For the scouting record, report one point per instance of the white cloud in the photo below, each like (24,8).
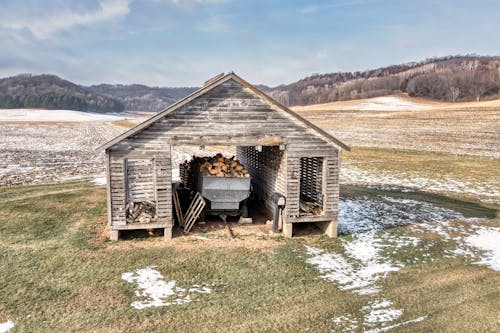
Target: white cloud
(65,19)
(315,8)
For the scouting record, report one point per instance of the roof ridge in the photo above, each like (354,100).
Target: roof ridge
(210,84)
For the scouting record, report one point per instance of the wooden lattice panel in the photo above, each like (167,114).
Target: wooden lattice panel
(140,175)
(311,179)
(267,169)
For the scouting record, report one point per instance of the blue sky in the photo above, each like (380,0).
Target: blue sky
(185,42)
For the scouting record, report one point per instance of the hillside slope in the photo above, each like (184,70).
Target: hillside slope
(454,78)
(143,98)
(52,92)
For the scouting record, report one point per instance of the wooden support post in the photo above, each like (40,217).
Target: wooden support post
(114,235)
(329,228)
(167,233)
(288,230)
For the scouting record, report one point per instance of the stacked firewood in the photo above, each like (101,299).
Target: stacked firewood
(142,212)
(220,166)
(310,207)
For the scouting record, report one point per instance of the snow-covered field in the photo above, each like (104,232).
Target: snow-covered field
(369,252)
(387,103)
(41,115)
(34,154)
(56,151)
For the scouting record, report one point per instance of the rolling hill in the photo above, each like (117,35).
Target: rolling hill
(52,92)
(451,79)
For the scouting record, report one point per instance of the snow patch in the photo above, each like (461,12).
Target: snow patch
(352,175)
(7,326)
(176,175)
(358,269)
(488,241)
(388,103)
(388,328)
(99,181)
(370,253)
(364,214)
(379,313)
(152,286)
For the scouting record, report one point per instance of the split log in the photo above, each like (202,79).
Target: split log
(310,207)
(218,166)
(141,212)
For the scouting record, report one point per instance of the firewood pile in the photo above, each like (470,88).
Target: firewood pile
(218,166)
(142,212)
(310,207)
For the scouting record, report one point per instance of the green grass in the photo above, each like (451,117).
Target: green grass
(466,206)
(433,163)
(479,172)
(59,274)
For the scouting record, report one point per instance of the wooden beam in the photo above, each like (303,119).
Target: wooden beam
(312,218)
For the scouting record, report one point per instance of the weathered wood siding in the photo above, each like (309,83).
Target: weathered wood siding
(140,180)
(293,187)
(329,186)
(138,175)
(267,168)
(163,175)
(332,185)
(229,114)
(117,182)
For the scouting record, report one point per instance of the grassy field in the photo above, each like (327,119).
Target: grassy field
(58,273)
(408,215)
(460,128)
(462,177)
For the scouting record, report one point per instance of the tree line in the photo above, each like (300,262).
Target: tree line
(454,78)
(66,101)
(52,92)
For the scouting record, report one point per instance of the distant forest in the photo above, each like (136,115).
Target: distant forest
(453,78)
(52,92)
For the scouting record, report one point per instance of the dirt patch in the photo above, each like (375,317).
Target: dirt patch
(211,235)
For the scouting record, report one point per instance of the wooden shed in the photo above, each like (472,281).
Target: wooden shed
(282,151)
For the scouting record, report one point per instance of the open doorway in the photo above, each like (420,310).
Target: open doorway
(226,180)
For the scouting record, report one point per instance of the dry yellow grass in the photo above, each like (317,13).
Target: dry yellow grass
(457,128)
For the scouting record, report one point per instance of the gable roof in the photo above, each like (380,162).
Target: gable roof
(209,85)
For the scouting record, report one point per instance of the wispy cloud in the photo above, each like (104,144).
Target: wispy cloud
(336,4)
(65,19)
(214,24)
